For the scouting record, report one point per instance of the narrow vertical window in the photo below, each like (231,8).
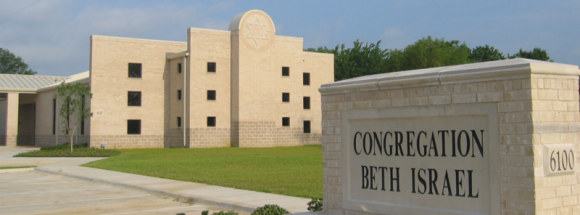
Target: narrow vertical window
(211,67)
(211,121)
(306,126)
(178,94)
(306,102)
(285,71)
(83,119)
(179,68)
(306,78)
(135,70)
(285,97)
(134,98)
(211,95)
(134,126)
(179,122)
(285,121)
(54,116)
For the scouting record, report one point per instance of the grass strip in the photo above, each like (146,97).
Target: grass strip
(15,167)
(77,152)
(293,171)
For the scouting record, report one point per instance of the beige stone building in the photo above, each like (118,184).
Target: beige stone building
(245,87)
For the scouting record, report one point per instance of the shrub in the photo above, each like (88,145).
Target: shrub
(65,146)
(270,210)
(315,204)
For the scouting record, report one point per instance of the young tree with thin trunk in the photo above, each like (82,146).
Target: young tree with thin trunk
(73,104)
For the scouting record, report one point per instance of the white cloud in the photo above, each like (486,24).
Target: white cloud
(30,10)
(53,36)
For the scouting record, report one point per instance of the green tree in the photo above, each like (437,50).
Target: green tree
(73,107)
(12,64)
(428,53)
(536,54)
(362,59)
(486,53)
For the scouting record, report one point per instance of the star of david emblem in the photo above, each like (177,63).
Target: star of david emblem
(257,30)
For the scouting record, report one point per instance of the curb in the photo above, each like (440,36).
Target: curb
(179,197)
(17,170)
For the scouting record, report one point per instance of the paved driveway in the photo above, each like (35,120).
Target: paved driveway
(37,193)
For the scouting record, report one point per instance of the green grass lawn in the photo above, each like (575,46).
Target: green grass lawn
(293,171)
(15,167)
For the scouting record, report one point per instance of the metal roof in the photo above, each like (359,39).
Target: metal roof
(28,81)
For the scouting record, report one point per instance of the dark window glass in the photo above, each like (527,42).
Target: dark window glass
(306,127)
(54,116)
(285,121)
(134,98)
(83,119)
(210,67)
(286,97)
(178,122)
(211,121)
(285,71)
(178,94)
(306,78)
(134,126)
(211,95)
(179,68)
(134,70)
(306,103)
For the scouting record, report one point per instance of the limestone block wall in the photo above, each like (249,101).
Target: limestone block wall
(110,84)
(258,56)
(554,120)
(534,110)
(267,134)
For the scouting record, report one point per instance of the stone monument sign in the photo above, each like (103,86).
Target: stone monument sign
(486,138)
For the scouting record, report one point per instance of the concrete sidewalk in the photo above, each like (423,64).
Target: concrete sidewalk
(238,200)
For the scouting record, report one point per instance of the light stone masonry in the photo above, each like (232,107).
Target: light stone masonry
(537,108)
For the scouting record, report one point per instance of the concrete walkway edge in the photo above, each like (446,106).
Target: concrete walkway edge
(235,206)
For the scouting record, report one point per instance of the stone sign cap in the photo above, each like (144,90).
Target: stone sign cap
(451,74)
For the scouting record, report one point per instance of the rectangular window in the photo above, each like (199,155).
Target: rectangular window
(306,78)
(211,95)
(134,126)
(178,94)
(211,121)
(306,103)
(179,122)
(134,70)
(179,68)
(134,98)
(211,67)
(54,116)
(306,127)
(285,97)
(285,71)
(285,121)
(83,119)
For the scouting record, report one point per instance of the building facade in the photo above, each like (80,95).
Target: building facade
(245,87)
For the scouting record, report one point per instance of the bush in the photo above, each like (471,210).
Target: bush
(315,204)
(65,146)
(219,213)
(270,210)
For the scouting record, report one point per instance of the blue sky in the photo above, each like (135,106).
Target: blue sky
(52,36)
